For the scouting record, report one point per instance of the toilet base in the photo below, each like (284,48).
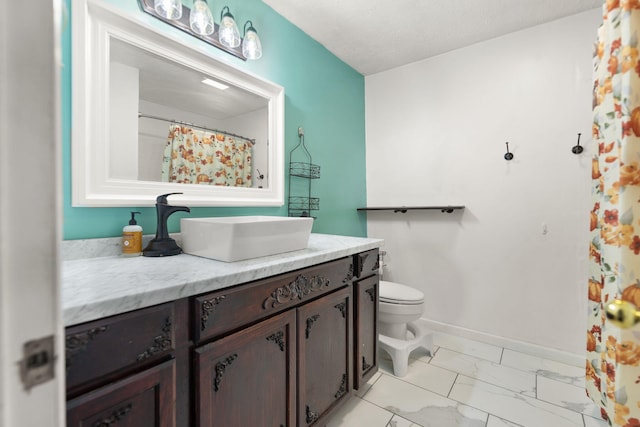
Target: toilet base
(399,350)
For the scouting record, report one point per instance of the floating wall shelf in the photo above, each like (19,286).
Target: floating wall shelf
(404,209)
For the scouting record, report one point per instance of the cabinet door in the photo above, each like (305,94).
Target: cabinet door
(146,399)
(324,356)
(366,329)
(248,378)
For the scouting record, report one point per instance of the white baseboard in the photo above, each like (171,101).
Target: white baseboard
(515,345)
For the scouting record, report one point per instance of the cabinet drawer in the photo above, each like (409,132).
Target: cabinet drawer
(96,349)
(144,399)
(366,263)
(223,311)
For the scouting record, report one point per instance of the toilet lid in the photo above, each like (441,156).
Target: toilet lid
(399,294)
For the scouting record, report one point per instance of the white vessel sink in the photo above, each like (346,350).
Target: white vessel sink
(235,238)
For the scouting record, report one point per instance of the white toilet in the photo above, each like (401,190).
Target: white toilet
(399,330)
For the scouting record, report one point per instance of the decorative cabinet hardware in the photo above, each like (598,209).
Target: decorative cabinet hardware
(311,416)
(349,275)
(365,365)
(161,343)
(277,338)
(372,293)
(343,387)
(77,343)
(296,290)
(310,321)
(363,258)
(207,308)
(115,417)
(343,309)
(221,367)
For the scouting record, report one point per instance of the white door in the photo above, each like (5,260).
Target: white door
(30,214)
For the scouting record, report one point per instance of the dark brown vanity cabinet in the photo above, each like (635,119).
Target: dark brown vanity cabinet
(276,351)
(283,351)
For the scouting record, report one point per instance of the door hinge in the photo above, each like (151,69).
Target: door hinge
(36,367)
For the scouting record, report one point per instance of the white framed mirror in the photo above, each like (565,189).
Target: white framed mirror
(133,87)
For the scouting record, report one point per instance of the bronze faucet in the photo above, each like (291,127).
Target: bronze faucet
(163,245)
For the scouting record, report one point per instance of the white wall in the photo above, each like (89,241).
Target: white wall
(123,113)
(436,133)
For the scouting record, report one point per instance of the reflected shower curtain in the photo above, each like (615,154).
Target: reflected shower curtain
(200,157)
(613,355)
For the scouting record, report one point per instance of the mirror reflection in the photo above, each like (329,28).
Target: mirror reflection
(144,123)
(171,123)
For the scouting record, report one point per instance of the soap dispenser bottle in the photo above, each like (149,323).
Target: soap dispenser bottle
(132,237)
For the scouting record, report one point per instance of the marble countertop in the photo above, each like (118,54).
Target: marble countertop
(93,288)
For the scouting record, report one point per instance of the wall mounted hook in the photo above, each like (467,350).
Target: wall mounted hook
(508,155)
(577,149)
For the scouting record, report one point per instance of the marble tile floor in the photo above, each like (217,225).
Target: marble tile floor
(472,384)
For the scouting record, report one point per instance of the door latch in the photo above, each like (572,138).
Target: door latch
(36,367)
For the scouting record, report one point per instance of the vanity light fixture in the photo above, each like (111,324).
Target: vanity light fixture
(200,18)
(228,33)
(251,46)
(199,23)
(215,84)
(168,9)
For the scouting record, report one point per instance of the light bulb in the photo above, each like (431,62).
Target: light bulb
(251,46)
(228,33)
(200,19)
(169,9)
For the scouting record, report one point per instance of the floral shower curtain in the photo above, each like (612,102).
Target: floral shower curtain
(613,355)
(200,157)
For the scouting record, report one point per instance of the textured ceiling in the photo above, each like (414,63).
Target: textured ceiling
(377,35)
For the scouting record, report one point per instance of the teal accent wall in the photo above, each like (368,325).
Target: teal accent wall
(323,95)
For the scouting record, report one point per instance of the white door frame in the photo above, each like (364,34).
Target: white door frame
(30,207)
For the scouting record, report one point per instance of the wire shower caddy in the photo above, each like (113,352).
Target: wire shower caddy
(301,166)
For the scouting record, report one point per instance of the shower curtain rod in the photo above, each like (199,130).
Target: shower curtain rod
(149,116)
